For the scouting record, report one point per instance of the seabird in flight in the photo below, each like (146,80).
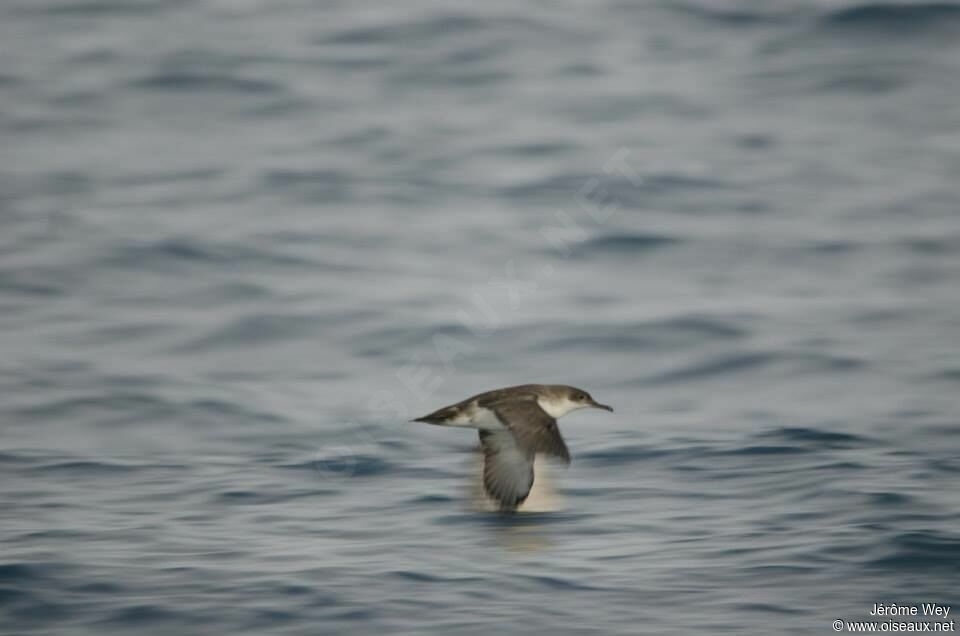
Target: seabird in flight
(515,424)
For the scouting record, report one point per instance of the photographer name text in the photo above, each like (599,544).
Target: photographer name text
(923,609)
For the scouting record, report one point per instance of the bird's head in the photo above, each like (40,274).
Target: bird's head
(563,399)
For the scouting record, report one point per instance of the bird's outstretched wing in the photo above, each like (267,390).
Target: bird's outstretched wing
(507,469)
(535,430)
(509,453)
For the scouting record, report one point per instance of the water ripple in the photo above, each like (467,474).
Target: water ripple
(905,18)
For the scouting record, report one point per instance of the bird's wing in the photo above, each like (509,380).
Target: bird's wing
(507,469)
(534,430)
(508,454)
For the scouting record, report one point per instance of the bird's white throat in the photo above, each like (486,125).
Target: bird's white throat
(558,407)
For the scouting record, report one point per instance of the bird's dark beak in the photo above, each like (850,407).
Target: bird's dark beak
(597,405)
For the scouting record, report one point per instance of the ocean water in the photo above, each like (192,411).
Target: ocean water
(244,241)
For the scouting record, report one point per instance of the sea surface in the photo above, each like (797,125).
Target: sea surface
(245,241)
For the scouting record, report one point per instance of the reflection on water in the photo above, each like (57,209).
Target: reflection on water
(524,537)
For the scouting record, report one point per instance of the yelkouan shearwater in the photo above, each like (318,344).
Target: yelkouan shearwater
(515,424)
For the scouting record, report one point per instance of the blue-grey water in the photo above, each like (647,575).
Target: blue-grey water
(244,241)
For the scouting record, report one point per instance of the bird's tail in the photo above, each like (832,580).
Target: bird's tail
(442,417)
(429,419)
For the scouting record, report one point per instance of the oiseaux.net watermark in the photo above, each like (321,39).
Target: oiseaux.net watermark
(486,307)
(901,617)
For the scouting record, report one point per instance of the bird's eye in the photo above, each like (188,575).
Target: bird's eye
(581,397)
